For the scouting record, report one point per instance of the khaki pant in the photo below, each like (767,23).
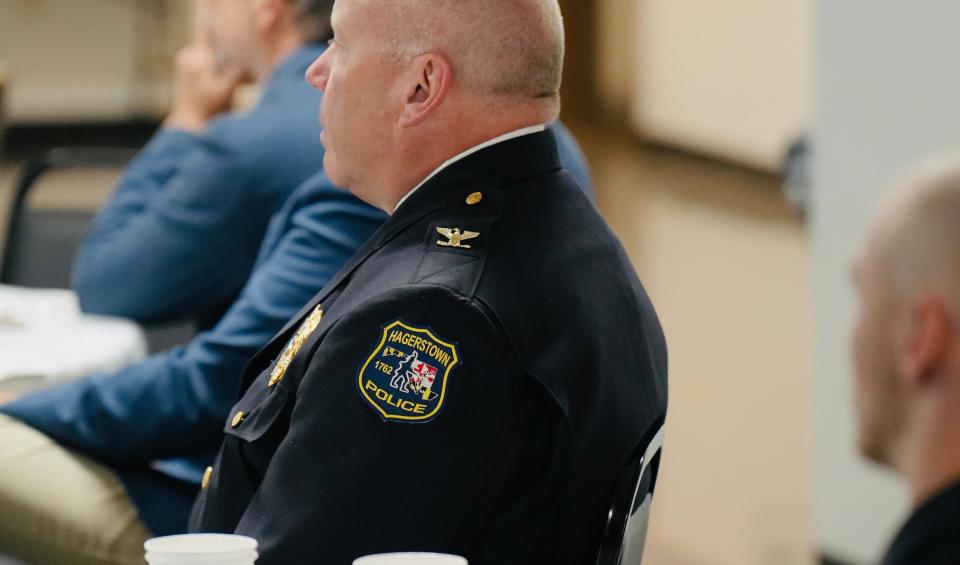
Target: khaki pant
(57,507)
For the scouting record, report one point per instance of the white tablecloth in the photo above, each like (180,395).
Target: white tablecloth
(45,337)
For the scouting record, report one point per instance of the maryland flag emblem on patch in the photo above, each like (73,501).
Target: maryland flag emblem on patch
(405,378)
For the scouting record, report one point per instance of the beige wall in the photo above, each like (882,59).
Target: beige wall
(72,60)
(616,56)
(731,79)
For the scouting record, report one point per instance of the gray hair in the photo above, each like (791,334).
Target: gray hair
(313,19)
(497,47)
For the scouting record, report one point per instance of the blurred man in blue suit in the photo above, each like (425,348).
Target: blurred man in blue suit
(150,429)
(179,237)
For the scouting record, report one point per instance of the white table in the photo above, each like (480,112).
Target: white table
(44,338)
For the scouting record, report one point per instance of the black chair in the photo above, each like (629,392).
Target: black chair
(40,244)
(626,532)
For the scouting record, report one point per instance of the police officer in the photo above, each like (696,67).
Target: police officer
(490,346)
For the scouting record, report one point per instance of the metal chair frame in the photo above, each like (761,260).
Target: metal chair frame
(55,159)
(624,537)
(161,336)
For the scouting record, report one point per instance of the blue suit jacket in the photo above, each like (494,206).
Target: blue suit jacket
(179,237)
(158,422)
(572,158)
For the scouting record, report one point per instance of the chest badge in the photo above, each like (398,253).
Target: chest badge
(455,237)
(293,346)
(405,378)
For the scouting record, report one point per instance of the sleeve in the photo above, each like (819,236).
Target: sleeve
(376,482)
(175,403)
(174,241)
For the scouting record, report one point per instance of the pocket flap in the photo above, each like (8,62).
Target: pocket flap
(256,414)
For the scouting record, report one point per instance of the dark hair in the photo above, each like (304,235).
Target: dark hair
(313,19)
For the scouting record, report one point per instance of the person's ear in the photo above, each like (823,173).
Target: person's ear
(925,338)
(267,13)
(425,88)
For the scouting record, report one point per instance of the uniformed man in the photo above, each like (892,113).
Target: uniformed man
(906,348)
(490,344)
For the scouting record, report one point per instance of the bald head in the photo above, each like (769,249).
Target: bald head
(409,84)
(906,342)
(917,232)
(501,48)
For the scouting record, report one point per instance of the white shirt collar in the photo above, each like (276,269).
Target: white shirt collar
(505,137)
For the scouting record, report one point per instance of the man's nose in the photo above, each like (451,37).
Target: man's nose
(319,72)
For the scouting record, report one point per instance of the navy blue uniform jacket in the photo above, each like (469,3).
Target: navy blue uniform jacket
(472,382)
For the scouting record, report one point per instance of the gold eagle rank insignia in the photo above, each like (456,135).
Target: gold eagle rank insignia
(455,237)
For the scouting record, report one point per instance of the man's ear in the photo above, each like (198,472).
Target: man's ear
(429,81)
(924,339)
(268,12)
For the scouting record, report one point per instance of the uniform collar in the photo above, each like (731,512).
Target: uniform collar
(498,165)
(519,155)
(500,139)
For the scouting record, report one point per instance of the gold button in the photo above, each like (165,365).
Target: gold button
(206,477)
(475,198)
(238,419)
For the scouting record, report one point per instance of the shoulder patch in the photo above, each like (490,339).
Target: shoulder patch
(405,378)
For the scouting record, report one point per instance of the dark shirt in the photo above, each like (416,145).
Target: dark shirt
(932,535)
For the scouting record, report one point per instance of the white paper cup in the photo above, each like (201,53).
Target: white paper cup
(411,559)
(201,549)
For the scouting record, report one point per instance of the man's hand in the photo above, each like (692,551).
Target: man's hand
(201,89)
